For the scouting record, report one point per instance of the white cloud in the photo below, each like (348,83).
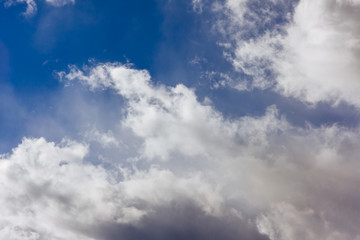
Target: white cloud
(170,118)
(197,5)
(193,164)
(290,182)
(106,139)
(50,192)
(311,54)
(254,58)
(284,222)
(322,53)
(254,162)
(31,5)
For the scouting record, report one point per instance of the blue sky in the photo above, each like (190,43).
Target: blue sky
(164,37)
(155,119)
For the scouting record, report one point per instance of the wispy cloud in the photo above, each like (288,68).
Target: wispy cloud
(31,5)
(60,3)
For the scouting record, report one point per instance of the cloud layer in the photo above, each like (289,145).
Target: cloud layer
(251,177)
(264,164)
(152,161)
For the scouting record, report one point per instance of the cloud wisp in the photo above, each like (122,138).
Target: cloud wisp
(31,5)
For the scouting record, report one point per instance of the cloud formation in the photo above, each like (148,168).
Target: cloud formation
(289,182)
(303,49)
(197,5)
(151,161)
(250,177)
(50,192)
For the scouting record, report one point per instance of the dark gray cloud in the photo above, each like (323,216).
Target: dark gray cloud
(180,221)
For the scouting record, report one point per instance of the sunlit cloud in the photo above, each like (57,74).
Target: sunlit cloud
(306,49)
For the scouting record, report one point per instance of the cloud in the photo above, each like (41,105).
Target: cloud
(284,221)
(31,5)
(197,5)
(106,139)
(50,192)
(307,49)
(193,174)
(323,53)
(60,3)
(170,118)
(251,37)
(266,171)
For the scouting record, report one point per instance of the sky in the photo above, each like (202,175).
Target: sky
(179,119)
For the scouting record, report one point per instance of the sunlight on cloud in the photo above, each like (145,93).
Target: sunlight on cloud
(312,54)
(50,192)
(322,57)
(263,167)
(117,155)
(264,177)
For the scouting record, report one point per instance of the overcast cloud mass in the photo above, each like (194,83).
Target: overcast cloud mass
(209,125)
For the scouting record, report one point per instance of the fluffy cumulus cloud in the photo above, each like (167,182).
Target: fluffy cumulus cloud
(50,192)
(31,5)
(285,181)
(166,164)
(304,49)
(194,174)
